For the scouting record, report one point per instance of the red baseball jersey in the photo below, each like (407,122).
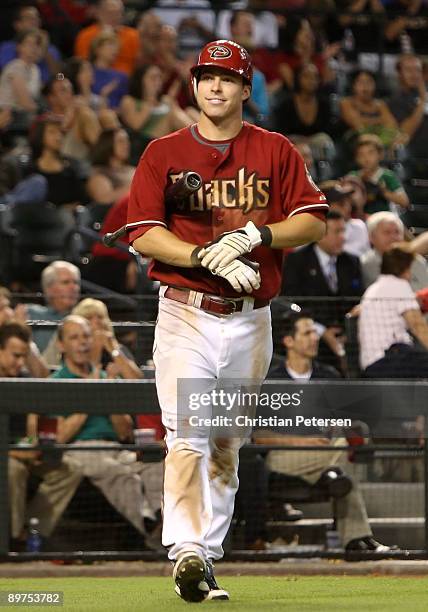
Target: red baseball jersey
(258,176)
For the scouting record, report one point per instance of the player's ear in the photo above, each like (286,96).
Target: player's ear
(246,92)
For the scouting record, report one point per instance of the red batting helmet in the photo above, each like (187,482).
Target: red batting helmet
(224,54)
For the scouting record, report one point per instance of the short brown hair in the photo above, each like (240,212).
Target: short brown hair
(14,329)
(370,139)
(396,261)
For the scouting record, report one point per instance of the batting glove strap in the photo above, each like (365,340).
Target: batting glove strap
(265,235)
(230,245)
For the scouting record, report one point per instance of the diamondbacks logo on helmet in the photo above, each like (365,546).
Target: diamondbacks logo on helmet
(219,52)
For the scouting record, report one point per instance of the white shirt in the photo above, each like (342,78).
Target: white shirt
(265,26)
(381,323)
(29,73)
(172,12)
(297,375)
(356,237)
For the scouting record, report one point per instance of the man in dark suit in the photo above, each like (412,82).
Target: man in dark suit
(324,269)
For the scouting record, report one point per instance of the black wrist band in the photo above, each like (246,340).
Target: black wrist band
(194,259)
(266,235)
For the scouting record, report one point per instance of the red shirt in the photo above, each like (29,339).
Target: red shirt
(259,176)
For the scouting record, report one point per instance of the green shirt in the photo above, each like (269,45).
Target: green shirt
(375,200)
(96,427)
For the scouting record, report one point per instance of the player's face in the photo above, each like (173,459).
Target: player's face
(305,340)
(13,356)
(76,344)
(385,234)
(221,94)
(334,239)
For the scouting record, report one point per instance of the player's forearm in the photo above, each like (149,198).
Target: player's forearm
(162,245)
(296,231)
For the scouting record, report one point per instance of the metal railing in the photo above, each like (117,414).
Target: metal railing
(20,396)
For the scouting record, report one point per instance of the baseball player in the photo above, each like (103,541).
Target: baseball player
(214,318)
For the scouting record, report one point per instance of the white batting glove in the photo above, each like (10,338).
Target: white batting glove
(240,276)
(230,245)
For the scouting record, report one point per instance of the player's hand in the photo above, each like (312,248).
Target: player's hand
(240,276)
(230,245)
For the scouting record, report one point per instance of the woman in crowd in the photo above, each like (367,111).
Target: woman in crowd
(146,113)
(306,113)
(107,353)
(390,320)
(81,75)
(303,51)
(112,173)
(65,188)
(363,113)
(80,123)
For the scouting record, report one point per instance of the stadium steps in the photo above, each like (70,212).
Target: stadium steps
(395,510)
(406,532)
(395,499)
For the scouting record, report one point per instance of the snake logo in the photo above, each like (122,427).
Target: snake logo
(219,52)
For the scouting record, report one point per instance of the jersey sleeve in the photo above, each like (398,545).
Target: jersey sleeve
(146,207)
(300,194)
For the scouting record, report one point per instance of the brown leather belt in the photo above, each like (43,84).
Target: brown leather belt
(213,304)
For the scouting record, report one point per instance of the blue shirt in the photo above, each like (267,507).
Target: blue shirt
(8,53)
(259,96)
(104,76)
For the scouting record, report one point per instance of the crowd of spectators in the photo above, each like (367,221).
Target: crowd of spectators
(85,87)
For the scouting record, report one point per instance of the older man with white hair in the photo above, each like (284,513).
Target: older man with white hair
(385,229)
(61,289)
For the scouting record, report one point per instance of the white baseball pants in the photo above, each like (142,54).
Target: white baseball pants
(200,473)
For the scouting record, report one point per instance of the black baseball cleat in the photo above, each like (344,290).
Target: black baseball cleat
(368,544)
(190,578)
(216,593)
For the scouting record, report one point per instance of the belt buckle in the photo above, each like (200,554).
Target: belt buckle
(232,303)
(224,301)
